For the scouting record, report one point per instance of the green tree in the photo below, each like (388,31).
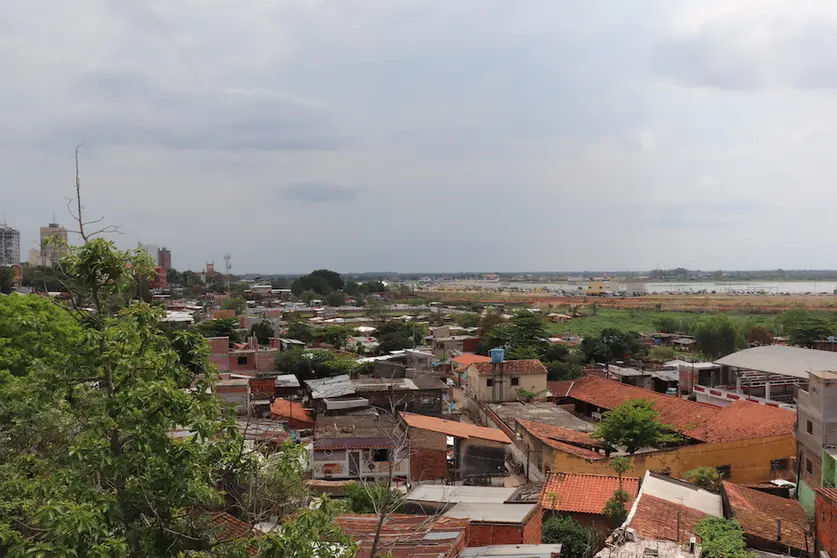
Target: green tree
(336,298)
(634,425)
(803,327)
(235,303)
(523,336)
(6,279)
(721,538)
(662,354)
(263,332)
(222,327)
(301,332)
(707,478)
(718,337)
(468,319)
(612,344)
(337,335)
(335,282)
(395,335)
(615,508)
(317,363)
(576,541)
(362,498)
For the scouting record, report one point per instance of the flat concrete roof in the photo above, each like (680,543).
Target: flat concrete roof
(491,513)
(460,494)
(512,551)
(678,492)
(782,360)
(548,413)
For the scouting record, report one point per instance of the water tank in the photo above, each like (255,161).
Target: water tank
(498,355)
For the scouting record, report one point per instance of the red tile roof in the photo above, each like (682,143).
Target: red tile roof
(291,410)
(229,528)
(659,519)
(741,420)
(455,429)
(827,493)
(467,359)
(757,513)
(403,536)
(563,439)
(560,389)
(513,367)
(570,492)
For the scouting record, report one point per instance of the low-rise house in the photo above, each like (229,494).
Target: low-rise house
(503,381)
(746,441)
(543,440)
(406,536)
(242,357)
(293,413)
(455,344)
(825,521)
(473,451)
(460,363)
(422,394)
(667,510)
(770,523)
(234,389)
(359,447)
(493,519)
(583,497)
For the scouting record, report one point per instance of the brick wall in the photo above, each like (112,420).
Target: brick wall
(825,516)
(263,385)
(428,464)
(219,350)
(533,529)
(486,534)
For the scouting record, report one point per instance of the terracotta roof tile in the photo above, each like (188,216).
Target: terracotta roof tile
(515,367)
(230,528)
(827,493)
(467,359)
(741,420)
(560,389)
(757,513)
(563,439)
(404,536)
(659,519)
(455,429)
(282,408)
(570,492)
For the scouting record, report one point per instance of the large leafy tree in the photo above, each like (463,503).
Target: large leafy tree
(634,425)
(721,538)
(575,539)
(719,337)
(612,344)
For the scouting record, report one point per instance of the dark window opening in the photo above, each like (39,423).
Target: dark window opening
(489,382)
(779,465)
(380,455)
(809,467)
(724,470)
(809,427)
(427,401)
(242,360)
(515,381)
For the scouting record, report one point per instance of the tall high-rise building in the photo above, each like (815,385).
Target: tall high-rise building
(152,250)
(164,258)
(34,257)
(53,243)
(9,245)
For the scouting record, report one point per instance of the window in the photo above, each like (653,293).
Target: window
(724,470)
(427,401)
(809,427)
(779,465)
(515,381)
(809,467)
(489,382)
(242,360)
(380,455)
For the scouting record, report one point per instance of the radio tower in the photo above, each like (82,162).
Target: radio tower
(227,268)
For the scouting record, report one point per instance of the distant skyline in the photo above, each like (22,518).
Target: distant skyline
(445,136)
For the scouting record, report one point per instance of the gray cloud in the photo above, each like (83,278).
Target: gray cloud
(127,108)
(320,192)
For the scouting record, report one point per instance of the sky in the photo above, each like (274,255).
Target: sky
(429,135)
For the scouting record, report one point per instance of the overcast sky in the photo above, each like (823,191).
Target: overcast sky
(416,135)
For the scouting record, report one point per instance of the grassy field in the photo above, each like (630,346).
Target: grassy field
(642,321)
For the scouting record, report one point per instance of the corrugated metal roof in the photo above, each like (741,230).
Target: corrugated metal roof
(491,512)
(782,359)
(331,387)
(455,429)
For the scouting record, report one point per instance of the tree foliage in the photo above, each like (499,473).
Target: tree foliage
(235,303)
(395,335)
(365,498)
(707,478)
(721,538)
(320,281)
(634,425)
(301,332)
(576,540)
(317,363)
(6,279)
(612,344)
(222,327)
(803,327)
(615,509)
(718,337)
(263,332)
(336,335)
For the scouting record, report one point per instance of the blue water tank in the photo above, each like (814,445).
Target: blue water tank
(498,355)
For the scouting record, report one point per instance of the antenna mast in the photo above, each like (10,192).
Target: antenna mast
(227,268)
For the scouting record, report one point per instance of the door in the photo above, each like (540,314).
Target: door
(354,464)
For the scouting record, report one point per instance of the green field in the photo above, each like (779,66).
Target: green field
(642,321)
